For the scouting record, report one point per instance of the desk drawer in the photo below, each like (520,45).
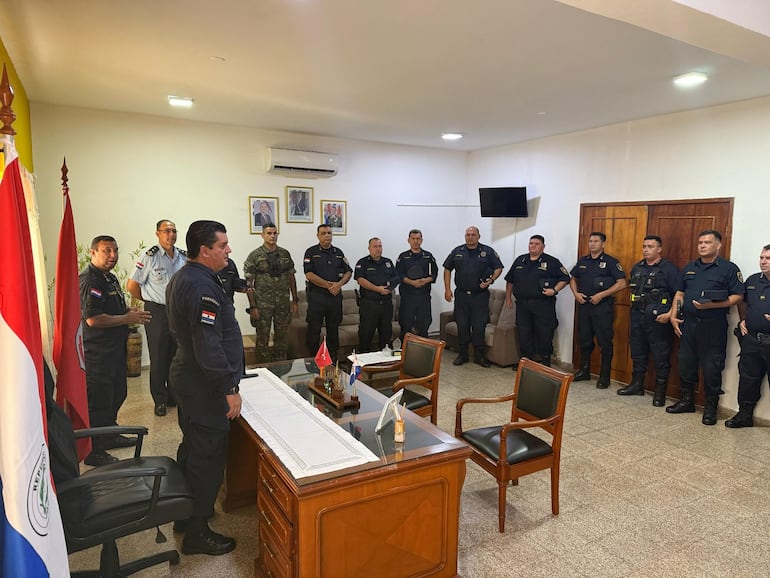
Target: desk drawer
(271,517)
(274,561)
(270,483)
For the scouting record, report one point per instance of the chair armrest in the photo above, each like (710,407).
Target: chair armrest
(401,383)
(111,430)
(113,474)
(466,400)
(520,425)
(395,366)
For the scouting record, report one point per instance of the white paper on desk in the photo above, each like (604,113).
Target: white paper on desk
(385,356)
(305,440)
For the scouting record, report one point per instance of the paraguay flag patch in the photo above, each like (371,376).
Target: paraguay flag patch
(208,317)
(96,293)
(139,265)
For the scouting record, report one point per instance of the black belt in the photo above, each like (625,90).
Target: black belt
(155,304)
(473,292)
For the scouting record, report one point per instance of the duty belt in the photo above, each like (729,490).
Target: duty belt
(762,338)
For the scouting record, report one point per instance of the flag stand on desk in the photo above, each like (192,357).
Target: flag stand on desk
(355,371)
(322,358)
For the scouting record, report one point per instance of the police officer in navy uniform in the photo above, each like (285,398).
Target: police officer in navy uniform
(417,269)
(652,282)
(476,267)
(148,283)
(205,374)
(326,270)
(706,290)
(754,330)
(754,327)
(535,279)
(378,278)
(595,279)
(105,335)
(231,280)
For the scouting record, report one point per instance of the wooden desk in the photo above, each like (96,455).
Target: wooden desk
(398,516)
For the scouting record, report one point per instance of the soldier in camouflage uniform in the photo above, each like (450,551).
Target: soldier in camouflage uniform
(269,270)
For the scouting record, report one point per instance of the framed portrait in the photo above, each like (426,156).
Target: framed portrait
(335,214)
(299,204)
(262,210)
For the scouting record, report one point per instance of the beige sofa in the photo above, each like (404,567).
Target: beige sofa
(348,328)
(500,334)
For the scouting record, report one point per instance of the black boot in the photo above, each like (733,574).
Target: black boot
(584,374)
(744,417)
(661,385)
(636,387)
(604,375)
(710,410)
(461,359)
(200,539)
(684,405)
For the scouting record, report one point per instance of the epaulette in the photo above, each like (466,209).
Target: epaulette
(152,250)
(182,252)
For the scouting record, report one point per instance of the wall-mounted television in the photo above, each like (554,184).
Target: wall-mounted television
(503,201)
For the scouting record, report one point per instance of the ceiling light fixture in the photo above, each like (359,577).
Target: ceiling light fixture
(451,136)
(180,101)
(690,79)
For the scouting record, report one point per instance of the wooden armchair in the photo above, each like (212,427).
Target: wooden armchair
(509,451)
(420,365)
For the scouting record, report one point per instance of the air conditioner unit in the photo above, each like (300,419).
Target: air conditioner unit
(301,163)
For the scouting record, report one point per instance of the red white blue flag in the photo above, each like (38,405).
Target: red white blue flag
(31,535)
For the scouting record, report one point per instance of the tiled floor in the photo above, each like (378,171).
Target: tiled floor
(643,493)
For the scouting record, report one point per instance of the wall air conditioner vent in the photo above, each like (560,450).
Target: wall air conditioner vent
(307,164)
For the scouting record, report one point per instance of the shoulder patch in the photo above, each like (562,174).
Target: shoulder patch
(740,276)
(619,266)
(208,317)
(95,293)
(152,250)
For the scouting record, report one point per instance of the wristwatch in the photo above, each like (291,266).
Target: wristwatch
(235,389)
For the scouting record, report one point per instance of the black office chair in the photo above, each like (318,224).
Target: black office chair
(115,500)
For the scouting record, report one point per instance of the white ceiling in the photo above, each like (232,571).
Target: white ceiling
(397,71)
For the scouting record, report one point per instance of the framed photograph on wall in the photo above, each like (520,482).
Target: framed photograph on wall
(335,214)
(299,204)
(262,210)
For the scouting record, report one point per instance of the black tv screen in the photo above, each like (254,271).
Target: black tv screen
(503,201)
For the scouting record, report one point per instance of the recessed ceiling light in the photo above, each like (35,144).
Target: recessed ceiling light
(690,79)
(180,101)
(452,136)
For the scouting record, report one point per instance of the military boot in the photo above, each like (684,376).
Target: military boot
(684,405)
(744,417)
(661,385)
(636,387)
(585,372)
(710,410)
(604,375)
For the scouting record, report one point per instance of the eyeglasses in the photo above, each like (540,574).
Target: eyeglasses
(167,231)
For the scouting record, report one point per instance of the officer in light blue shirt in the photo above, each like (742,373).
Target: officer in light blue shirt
(153,271)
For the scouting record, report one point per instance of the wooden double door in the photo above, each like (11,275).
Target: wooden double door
(626,224)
